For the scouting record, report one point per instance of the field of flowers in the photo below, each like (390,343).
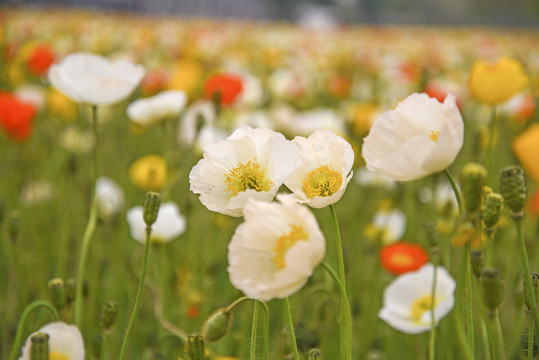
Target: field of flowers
(359,193)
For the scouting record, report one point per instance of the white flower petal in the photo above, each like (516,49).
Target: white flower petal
(63,339)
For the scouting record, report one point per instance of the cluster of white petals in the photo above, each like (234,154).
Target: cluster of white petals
(109,197)
(146,112)
(273,253)
(65,342)
(169,224)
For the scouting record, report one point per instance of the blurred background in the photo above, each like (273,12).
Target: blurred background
(327,13)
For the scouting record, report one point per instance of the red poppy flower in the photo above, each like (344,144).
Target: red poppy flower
(16,117)
(226,85)
(39,60)
(153,82)
(402,257)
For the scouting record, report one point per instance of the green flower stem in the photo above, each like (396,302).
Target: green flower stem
(252,353)
(139,295)
(345,315)
(495,332)
(18,335)
(291,329)
(346,304)
(456,190)
(432,339)
(485,339)
(489,249)
(531,331)
(490,159)
(90,227)
(526,270)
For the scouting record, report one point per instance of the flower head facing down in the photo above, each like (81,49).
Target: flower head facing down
(149,111)
(65,342)
(227,87)
(325,171)
(420,137)
(273,253)
(401,257)
(169,224)
(149,173)
(496,82)
(92,79)
(251,163)
(16,117)
(408,301)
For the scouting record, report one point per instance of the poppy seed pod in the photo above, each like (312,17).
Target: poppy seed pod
(513,188)
(492,288)
(195,347)
(39,348)
(492,210)
(473,179)
(151,207)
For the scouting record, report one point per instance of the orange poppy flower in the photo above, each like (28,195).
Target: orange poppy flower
(226,85)
(401,257)
(40,59)
(16,117)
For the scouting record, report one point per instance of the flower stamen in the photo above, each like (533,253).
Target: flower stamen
(322,181)
(420,306)
(285,242)
(434,135)
(53,355)
(247,176)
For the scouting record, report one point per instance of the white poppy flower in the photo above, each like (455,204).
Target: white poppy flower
(169,224)
(365,177)
(109,197)
(273,253)
(92,79)
(200,111)
(250,163)
(390,224)
(408,302)
(65,342)
(325,172)
(420,137)
(306,122)
(148,111)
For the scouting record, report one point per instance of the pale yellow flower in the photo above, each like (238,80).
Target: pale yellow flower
(149,172)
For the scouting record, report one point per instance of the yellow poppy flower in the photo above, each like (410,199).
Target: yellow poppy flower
(527,151)
(149,173)
(496,82)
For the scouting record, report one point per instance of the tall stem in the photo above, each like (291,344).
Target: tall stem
(90,227)
(531,333)
(291,329)
(530,293)
(139,295)
(345,315)
(432,340)
(491,141)
(252,355)
(495,332)
(456,190)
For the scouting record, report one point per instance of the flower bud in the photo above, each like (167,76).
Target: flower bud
(56,286)
(195,347)
(513,188)
(217,325)
(492,288)
(70,290)
(478,263)
(473,178)
(39,346)
(492,210)
(109,312)
(524,343)
(534,277)
(315,354)
(151,207)
(97,347)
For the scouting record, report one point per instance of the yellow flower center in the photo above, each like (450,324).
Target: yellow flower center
(247,176)
(322,182)
(285,242)
(402,260)
(434,135)
(53,355)
(421,305)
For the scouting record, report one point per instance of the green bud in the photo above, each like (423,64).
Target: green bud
(109,312)
(524,343)
(56,286)
(492,210)
(97,347)
(534,278)
(473,178)
(70,289)
(315,354)
(39,346)
(478,263)
(492,288)
(195,347)
(432,235)
(513,188)
(14,226)
(151,207)
(217,325)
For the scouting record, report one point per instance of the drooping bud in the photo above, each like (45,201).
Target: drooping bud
(534,279)
(478,263)
(315,354)
(151,207)
(492,211)
(195,347)
(524,343)
(473,179)
(217,325)
(513,188)
(109,312)
(97,347)
(70,290)
(39,346)
(58,299)
(492,288)
(14,226)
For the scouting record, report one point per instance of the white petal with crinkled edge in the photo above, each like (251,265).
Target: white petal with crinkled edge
(64,339)
(251,252)
(148,111)
(92,79)
(169,224)
(399,144)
